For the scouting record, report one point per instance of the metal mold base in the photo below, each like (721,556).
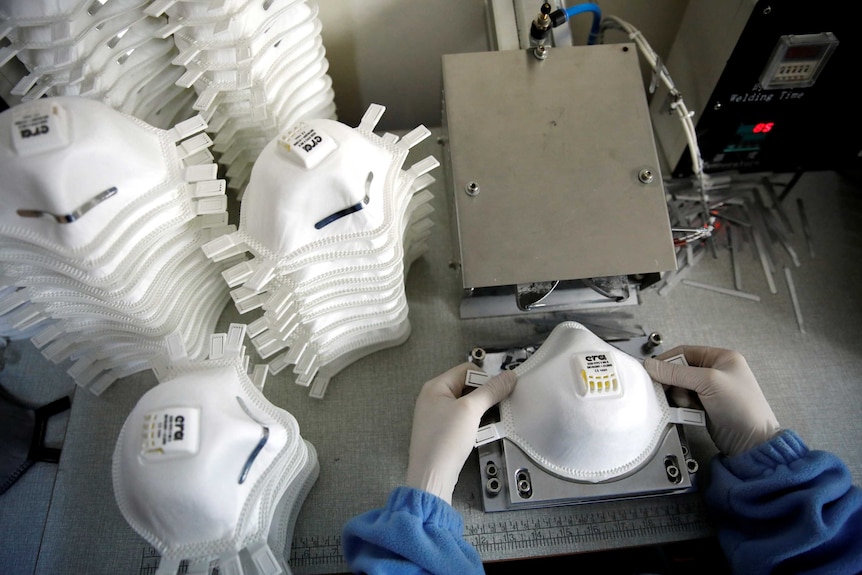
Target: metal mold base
(511,480)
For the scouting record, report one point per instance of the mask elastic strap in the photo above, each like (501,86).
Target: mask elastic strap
(14,300)
(223,247)
(371,117)
(158,7)
(238,274)
(492,431)
(280,302)
(489,433)
(264,560)
(307,369)
(258,375)
(228,345)
(419,170)
(168,566)
(7,52)
(422,182)
(686,416)
(413,137)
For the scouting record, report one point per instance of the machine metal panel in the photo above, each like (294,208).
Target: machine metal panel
(555,147)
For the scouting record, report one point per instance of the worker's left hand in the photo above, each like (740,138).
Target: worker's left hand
(445,425)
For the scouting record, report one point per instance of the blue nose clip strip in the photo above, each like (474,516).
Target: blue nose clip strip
(350,210)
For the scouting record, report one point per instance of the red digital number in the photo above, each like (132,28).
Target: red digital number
(763,127)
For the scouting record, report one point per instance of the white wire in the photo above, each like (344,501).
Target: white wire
(678,106)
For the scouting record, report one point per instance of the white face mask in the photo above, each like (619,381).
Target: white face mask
(92,45)
(165,105)
(183,14)
(266,93)
(346,191)
(247,58)
(584,410)
(326,214)
(125,265)
(54,200)
(244,32)
(204,462)
(296,84)
(137,50)
(46,24)
(49,183)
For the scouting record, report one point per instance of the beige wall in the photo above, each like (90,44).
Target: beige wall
(389,51)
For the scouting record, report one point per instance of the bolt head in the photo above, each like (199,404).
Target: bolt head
(646,176)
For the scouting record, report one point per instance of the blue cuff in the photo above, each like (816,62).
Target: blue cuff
(416,532)
(782,507)
(428,506)
(783,449)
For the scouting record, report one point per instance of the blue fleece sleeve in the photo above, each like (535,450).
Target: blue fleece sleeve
(416,532)
(782,508)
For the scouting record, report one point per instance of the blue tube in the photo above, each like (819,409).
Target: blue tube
(597,18)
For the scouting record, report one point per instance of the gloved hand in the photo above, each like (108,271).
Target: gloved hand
(445,425)
(738,416)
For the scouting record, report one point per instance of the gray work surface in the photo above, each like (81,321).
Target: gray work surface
(63,518)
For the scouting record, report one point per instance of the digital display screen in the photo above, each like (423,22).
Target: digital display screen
(807,52)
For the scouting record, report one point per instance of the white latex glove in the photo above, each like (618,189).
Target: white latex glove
(738,416)
(445,426)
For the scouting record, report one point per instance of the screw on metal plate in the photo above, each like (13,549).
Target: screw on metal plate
(493,486)
(767,10)
(541,52)
(646,176)
(654,340)
(472,189)
(717,106)
(477,355)
(672,469)
(491,469)
(524,484)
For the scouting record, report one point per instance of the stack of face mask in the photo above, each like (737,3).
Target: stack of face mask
(101,221)
(106,50)
(208,471)
(258,67)
(333,223)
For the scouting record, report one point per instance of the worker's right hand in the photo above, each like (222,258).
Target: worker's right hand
(738,415)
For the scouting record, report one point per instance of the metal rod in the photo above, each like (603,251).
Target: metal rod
(761,244)
(776,204)
(673,278)
(805,229)
(773,227)
(725,291)
(789,185)
(735,253)
(794,299)
(757,214)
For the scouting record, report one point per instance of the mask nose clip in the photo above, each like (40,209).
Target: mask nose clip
(243,475)
(349,210)
(76,214)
